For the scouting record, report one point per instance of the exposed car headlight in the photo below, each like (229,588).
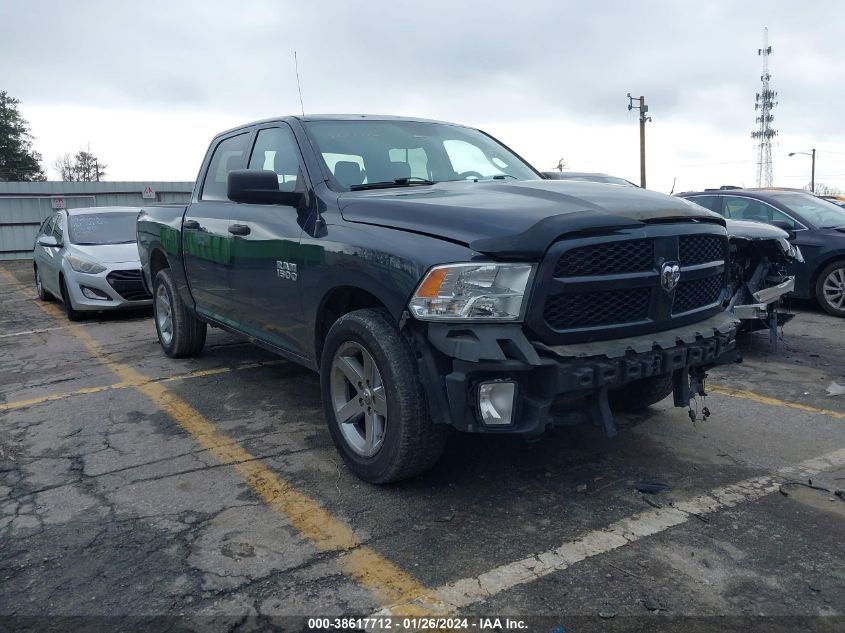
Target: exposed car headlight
(84,266)
(483,291)
(792,251)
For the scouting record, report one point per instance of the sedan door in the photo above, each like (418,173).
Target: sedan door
(51,256)
(207,243)
(266,247)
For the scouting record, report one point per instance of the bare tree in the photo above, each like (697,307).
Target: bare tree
(823,190)
(65,167)
(84,166)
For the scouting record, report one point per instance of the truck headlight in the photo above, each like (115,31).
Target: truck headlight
(84,266)
(484,291)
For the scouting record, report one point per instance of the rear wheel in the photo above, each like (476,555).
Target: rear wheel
(640,394)
(374,401)
(72,314)
(180,333)
(39,287)
(830,288)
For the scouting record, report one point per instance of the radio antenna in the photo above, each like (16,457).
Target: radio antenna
(298,86)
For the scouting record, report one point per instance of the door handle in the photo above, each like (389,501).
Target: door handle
(239,229)
(190,224)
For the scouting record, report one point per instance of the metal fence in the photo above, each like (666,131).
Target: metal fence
(24,205)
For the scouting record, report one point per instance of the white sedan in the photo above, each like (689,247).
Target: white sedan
(88,258)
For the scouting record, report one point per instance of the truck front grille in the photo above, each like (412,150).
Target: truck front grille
(597,308)
(607,259)
(128,284)
(699,293)
(700,249)
(604,287)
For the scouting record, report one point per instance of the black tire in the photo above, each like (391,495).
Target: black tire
(411,443)
(837,270)
(640,394)
(72,315)
(43,295)
(187,333)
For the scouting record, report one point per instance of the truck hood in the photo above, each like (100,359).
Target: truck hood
(516,218)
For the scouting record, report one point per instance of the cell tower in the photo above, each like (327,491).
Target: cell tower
(764,133)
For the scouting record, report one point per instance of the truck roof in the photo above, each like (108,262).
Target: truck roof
(338,117)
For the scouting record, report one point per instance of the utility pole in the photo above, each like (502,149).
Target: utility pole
(643,108)
(813,173)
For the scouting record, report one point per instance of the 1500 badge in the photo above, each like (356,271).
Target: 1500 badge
(286,270)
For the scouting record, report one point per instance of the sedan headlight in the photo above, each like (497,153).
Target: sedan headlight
(84,266)
(483,291)
(791,251)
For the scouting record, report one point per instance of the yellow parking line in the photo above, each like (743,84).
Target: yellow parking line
(213,371)
(388,583)
(774,402)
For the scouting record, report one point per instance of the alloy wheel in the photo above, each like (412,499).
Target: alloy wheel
(834,288)
(359,399)
(164,315)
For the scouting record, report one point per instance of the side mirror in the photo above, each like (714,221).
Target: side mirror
(259,186)
(47,240)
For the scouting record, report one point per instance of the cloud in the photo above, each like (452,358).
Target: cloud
(564,64)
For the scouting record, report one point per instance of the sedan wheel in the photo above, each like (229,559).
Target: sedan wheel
(164,315)
(359,399)
(834,288)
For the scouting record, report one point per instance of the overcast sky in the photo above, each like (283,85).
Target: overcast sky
(148,83)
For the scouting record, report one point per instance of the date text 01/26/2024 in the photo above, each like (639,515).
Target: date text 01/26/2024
(416,624)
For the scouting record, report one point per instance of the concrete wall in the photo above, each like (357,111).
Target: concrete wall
(24,205)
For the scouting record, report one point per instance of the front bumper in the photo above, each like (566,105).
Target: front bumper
(116,286)
(461,357)
(765,300)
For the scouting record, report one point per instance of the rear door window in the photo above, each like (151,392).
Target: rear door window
(713,203)
(228,155)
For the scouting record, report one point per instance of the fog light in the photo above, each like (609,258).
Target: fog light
(93,293)
(496,402)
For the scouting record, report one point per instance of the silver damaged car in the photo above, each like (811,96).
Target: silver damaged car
(88,258)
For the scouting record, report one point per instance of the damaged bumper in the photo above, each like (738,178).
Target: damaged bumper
(766,302)
(469,362)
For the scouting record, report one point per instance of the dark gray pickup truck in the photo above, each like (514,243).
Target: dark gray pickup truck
(436,280)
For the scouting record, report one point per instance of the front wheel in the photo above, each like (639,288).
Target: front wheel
(830,289)
(180,333)
(72,314)
(374,402)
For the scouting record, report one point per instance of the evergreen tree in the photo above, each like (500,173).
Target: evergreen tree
(18,161)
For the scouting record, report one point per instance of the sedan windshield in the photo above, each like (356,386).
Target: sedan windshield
(816,211)
(102,228)
(377,154)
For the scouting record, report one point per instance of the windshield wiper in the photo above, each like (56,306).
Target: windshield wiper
(398,182)
(503,176)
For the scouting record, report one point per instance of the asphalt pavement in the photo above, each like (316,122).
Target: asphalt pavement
(134,485)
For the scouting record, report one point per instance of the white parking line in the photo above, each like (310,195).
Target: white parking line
(628,530)
(25,333)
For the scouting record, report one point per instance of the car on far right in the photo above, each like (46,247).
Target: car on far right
(814,225)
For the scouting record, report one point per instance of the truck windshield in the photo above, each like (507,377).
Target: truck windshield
(88,229)
(364,154)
